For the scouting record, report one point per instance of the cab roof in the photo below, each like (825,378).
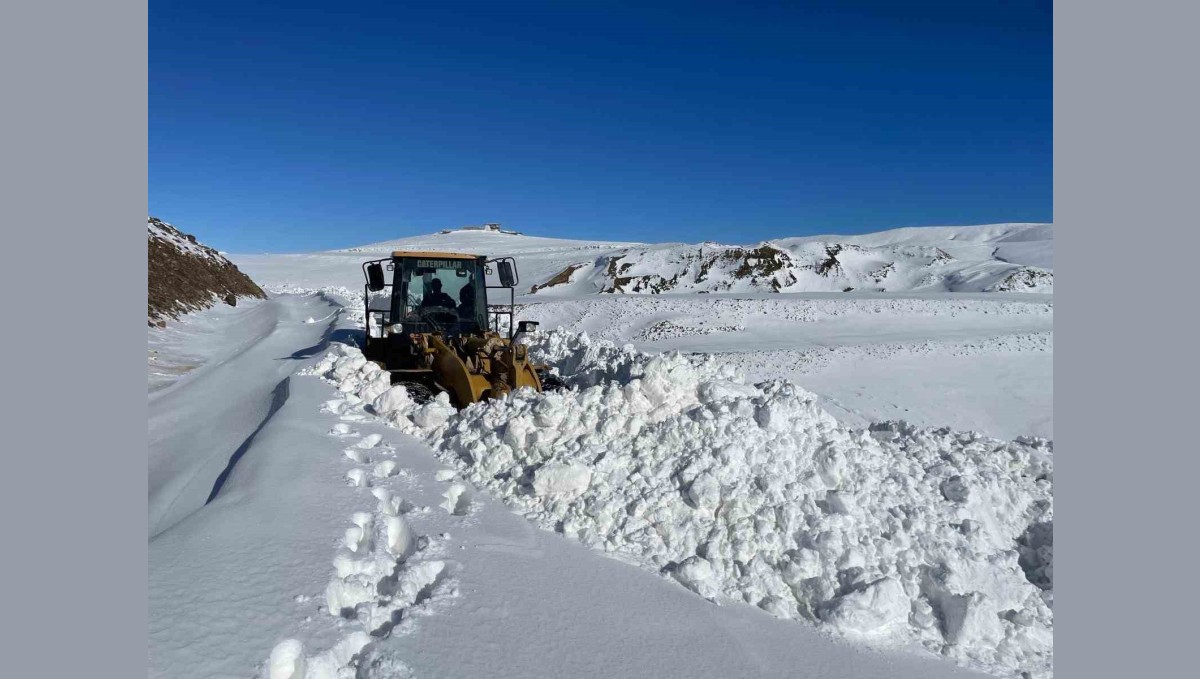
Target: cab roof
(433,255)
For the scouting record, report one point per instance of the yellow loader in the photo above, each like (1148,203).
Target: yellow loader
(432,328)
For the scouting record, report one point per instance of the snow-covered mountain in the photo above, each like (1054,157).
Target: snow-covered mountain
(991,258)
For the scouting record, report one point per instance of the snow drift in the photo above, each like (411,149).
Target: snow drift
(751,492)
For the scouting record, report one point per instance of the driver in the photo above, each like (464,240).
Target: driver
(437,297)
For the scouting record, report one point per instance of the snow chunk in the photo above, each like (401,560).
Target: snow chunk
(369,441)
(697,575)
(563,480)
(435,413)
(357,477)
(458,499)
(401,541)
(384,469)
(287,660)
(879,609)
(394,399)
(337,662)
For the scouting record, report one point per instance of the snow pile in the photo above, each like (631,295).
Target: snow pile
(754,493)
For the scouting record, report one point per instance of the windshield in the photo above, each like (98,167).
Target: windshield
(441,295)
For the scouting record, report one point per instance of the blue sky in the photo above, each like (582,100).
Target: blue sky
(303,126)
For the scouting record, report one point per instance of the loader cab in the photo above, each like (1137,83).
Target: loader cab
(433,292)
(439,294)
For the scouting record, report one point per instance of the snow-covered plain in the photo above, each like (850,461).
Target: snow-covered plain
(355,534)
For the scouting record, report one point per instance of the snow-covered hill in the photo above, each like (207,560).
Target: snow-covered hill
(992,258)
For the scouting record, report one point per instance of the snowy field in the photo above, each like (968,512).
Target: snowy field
(966,361)
(861,480)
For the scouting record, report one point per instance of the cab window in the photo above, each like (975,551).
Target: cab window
(443,295)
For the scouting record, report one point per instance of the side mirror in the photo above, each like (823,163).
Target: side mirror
(374,277)
(526,326)
(508,277)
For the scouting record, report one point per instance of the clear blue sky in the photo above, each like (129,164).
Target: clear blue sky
(305,126)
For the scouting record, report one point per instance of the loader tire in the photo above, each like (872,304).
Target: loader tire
(418,392)
(552,382)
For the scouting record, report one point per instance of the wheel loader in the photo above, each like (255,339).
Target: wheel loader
(431,326)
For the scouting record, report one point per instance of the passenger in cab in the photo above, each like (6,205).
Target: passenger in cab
(466,305)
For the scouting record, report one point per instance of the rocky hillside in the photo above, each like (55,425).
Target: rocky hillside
(185,275)
(1000,258)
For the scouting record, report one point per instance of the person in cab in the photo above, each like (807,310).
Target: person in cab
(436,297)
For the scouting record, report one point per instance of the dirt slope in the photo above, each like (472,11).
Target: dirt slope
(185,275)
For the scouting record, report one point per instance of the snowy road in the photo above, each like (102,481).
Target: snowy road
(200,417)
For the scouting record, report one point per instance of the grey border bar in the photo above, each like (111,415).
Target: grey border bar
(1126,130)
(74,468)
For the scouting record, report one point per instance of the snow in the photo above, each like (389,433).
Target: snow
(457,499)
(853,478)
(876,610)
(566,481)
(287,660)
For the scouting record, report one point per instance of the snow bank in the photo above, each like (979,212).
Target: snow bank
(752,492)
